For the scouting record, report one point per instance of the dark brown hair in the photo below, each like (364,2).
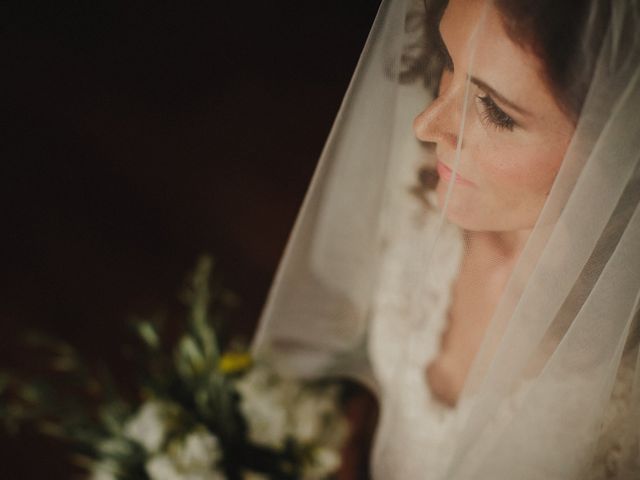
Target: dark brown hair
(566,37)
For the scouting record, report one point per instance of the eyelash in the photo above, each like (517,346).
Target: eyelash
(493,115)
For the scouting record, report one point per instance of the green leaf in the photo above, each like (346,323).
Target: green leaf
(148,332)
(38,339)
(113,416)
(200,303)
(189,359)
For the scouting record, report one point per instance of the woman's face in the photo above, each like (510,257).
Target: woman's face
(515,134)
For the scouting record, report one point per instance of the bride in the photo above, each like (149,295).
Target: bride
(479,272)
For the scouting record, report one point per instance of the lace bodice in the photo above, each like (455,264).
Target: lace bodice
(423,429)
(399,354)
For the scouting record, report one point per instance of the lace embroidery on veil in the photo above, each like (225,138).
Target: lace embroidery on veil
(422,425)
(399,349)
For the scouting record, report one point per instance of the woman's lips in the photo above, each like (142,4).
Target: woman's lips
(446,174)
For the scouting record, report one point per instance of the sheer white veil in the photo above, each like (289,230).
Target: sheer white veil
(566,328)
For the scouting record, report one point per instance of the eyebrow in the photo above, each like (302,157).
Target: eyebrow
(476,81)
(483,86)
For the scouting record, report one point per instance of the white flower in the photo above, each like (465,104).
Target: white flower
(148,427)
(316,419)
(104,470)
(193,458)
(102,475)
(318,423)
(325,461)
(200,451)
(264,404)
(161,467)
(276,409)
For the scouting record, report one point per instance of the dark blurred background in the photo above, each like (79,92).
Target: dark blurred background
(137,135)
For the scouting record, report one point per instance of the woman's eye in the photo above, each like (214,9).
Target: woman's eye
(493,115)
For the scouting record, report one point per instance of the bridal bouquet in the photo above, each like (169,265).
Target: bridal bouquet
(198,413)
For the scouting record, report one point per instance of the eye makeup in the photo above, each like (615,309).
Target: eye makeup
(493,115)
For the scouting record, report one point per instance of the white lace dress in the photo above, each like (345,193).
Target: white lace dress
(422,428)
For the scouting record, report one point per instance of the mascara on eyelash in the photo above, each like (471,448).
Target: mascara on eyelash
(495,115)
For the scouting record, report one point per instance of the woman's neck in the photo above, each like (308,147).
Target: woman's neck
(502,246)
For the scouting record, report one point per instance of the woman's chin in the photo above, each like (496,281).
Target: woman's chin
(472,212)
(462,210)
(465,221)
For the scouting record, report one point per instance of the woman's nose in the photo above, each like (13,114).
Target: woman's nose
(437,123)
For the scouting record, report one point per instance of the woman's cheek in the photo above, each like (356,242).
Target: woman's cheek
(523,170)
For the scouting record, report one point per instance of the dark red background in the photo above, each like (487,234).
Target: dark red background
(137,135)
